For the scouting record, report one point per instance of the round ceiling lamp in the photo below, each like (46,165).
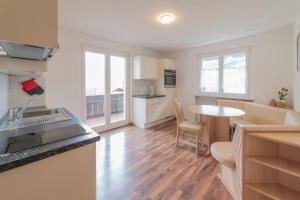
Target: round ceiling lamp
(166,18)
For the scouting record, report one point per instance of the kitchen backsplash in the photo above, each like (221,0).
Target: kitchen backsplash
(4,94)
(17,97)
(140,87)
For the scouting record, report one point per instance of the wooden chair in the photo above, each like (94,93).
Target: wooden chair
(184,125)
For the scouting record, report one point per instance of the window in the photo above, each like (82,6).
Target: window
(210,74)
(234,74)
(224,74)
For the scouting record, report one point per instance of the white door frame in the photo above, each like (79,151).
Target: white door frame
(107,52)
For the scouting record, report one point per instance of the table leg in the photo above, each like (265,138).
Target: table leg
(209,132)
(216,129)
(222,130)
(206,122)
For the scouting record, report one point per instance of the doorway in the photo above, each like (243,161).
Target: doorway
(106,89)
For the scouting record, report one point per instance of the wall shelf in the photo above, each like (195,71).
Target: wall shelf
(280,164)
(272,165)
(275,191)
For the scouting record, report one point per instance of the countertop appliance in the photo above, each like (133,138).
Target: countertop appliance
(170,78)
(151,90)
(22,142)
(22,146)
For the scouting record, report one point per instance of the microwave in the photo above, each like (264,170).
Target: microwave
(170,78)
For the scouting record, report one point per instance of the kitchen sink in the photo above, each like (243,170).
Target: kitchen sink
(40,113)
(35,118)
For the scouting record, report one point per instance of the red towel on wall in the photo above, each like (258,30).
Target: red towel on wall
(31,87)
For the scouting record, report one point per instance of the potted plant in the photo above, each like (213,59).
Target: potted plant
(282,94)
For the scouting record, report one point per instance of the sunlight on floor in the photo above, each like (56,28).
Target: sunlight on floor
(101,120)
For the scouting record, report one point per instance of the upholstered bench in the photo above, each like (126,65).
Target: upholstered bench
(259,119)
(258,114)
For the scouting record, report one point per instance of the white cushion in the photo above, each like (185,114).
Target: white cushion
(222,152)
(258,114)
(239,121)
(292,118)
(264,115)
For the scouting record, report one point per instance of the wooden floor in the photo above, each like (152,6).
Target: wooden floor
(138,164)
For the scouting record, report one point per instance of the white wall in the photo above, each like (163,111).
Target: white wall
(65,77)
(4,94)
(296,73)
(271,61)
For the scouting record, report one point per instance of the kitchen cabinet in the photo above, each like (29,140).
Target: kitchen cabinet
(166,63)
(32,22)
(154,109)
(29,29)
(169,64)
(145,68)
(149,111)
(69,175)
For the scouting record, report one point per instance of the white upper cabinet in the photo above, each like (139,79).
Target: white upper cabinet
(166,63)
(31,22)
(28,36)
(145,68)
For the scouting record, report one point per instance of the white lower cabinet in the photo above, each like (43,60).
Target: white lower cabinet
(148,111)
(154,110)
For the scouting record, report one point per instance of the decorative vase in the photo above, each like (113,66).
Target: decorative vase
(281,104)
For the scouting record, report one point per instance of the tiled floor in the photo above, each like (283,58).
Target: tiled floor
(138,164)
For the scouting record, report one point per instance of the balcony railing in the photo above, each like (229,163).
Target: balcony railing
(96,108)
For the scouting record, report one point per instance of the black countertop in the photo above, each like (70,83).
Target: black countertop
(10,161)
(147,96)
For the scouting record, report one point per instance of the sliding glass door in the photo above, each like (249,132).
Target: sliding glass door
(117,88)
(106,98)
(95,91)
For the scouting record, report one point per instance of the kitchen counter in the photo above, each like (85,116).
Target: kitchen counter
(10,161)
(147,96)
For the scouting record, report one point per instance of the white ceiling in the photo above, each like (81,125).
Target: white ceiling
(197,21)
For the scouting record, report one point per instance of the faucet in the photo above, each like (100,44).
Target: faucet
(16,113)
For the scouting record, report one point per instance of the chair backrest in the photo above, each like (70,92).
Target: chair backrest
(178,110)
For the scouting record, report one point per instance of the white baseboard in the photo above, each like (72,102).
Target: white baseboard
(149,125)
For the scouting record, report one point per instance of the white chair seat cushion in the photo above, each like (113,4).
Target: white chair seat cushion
(222,152)
(190,126)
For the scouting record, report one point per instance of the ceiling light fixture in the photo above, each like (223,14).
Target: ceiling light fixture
(166,18)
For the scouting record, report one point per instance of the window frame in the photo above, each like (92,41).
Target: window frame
(221,55)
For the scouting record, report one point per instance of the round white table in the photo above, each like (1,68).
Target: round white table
(216,111)
(216,121)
